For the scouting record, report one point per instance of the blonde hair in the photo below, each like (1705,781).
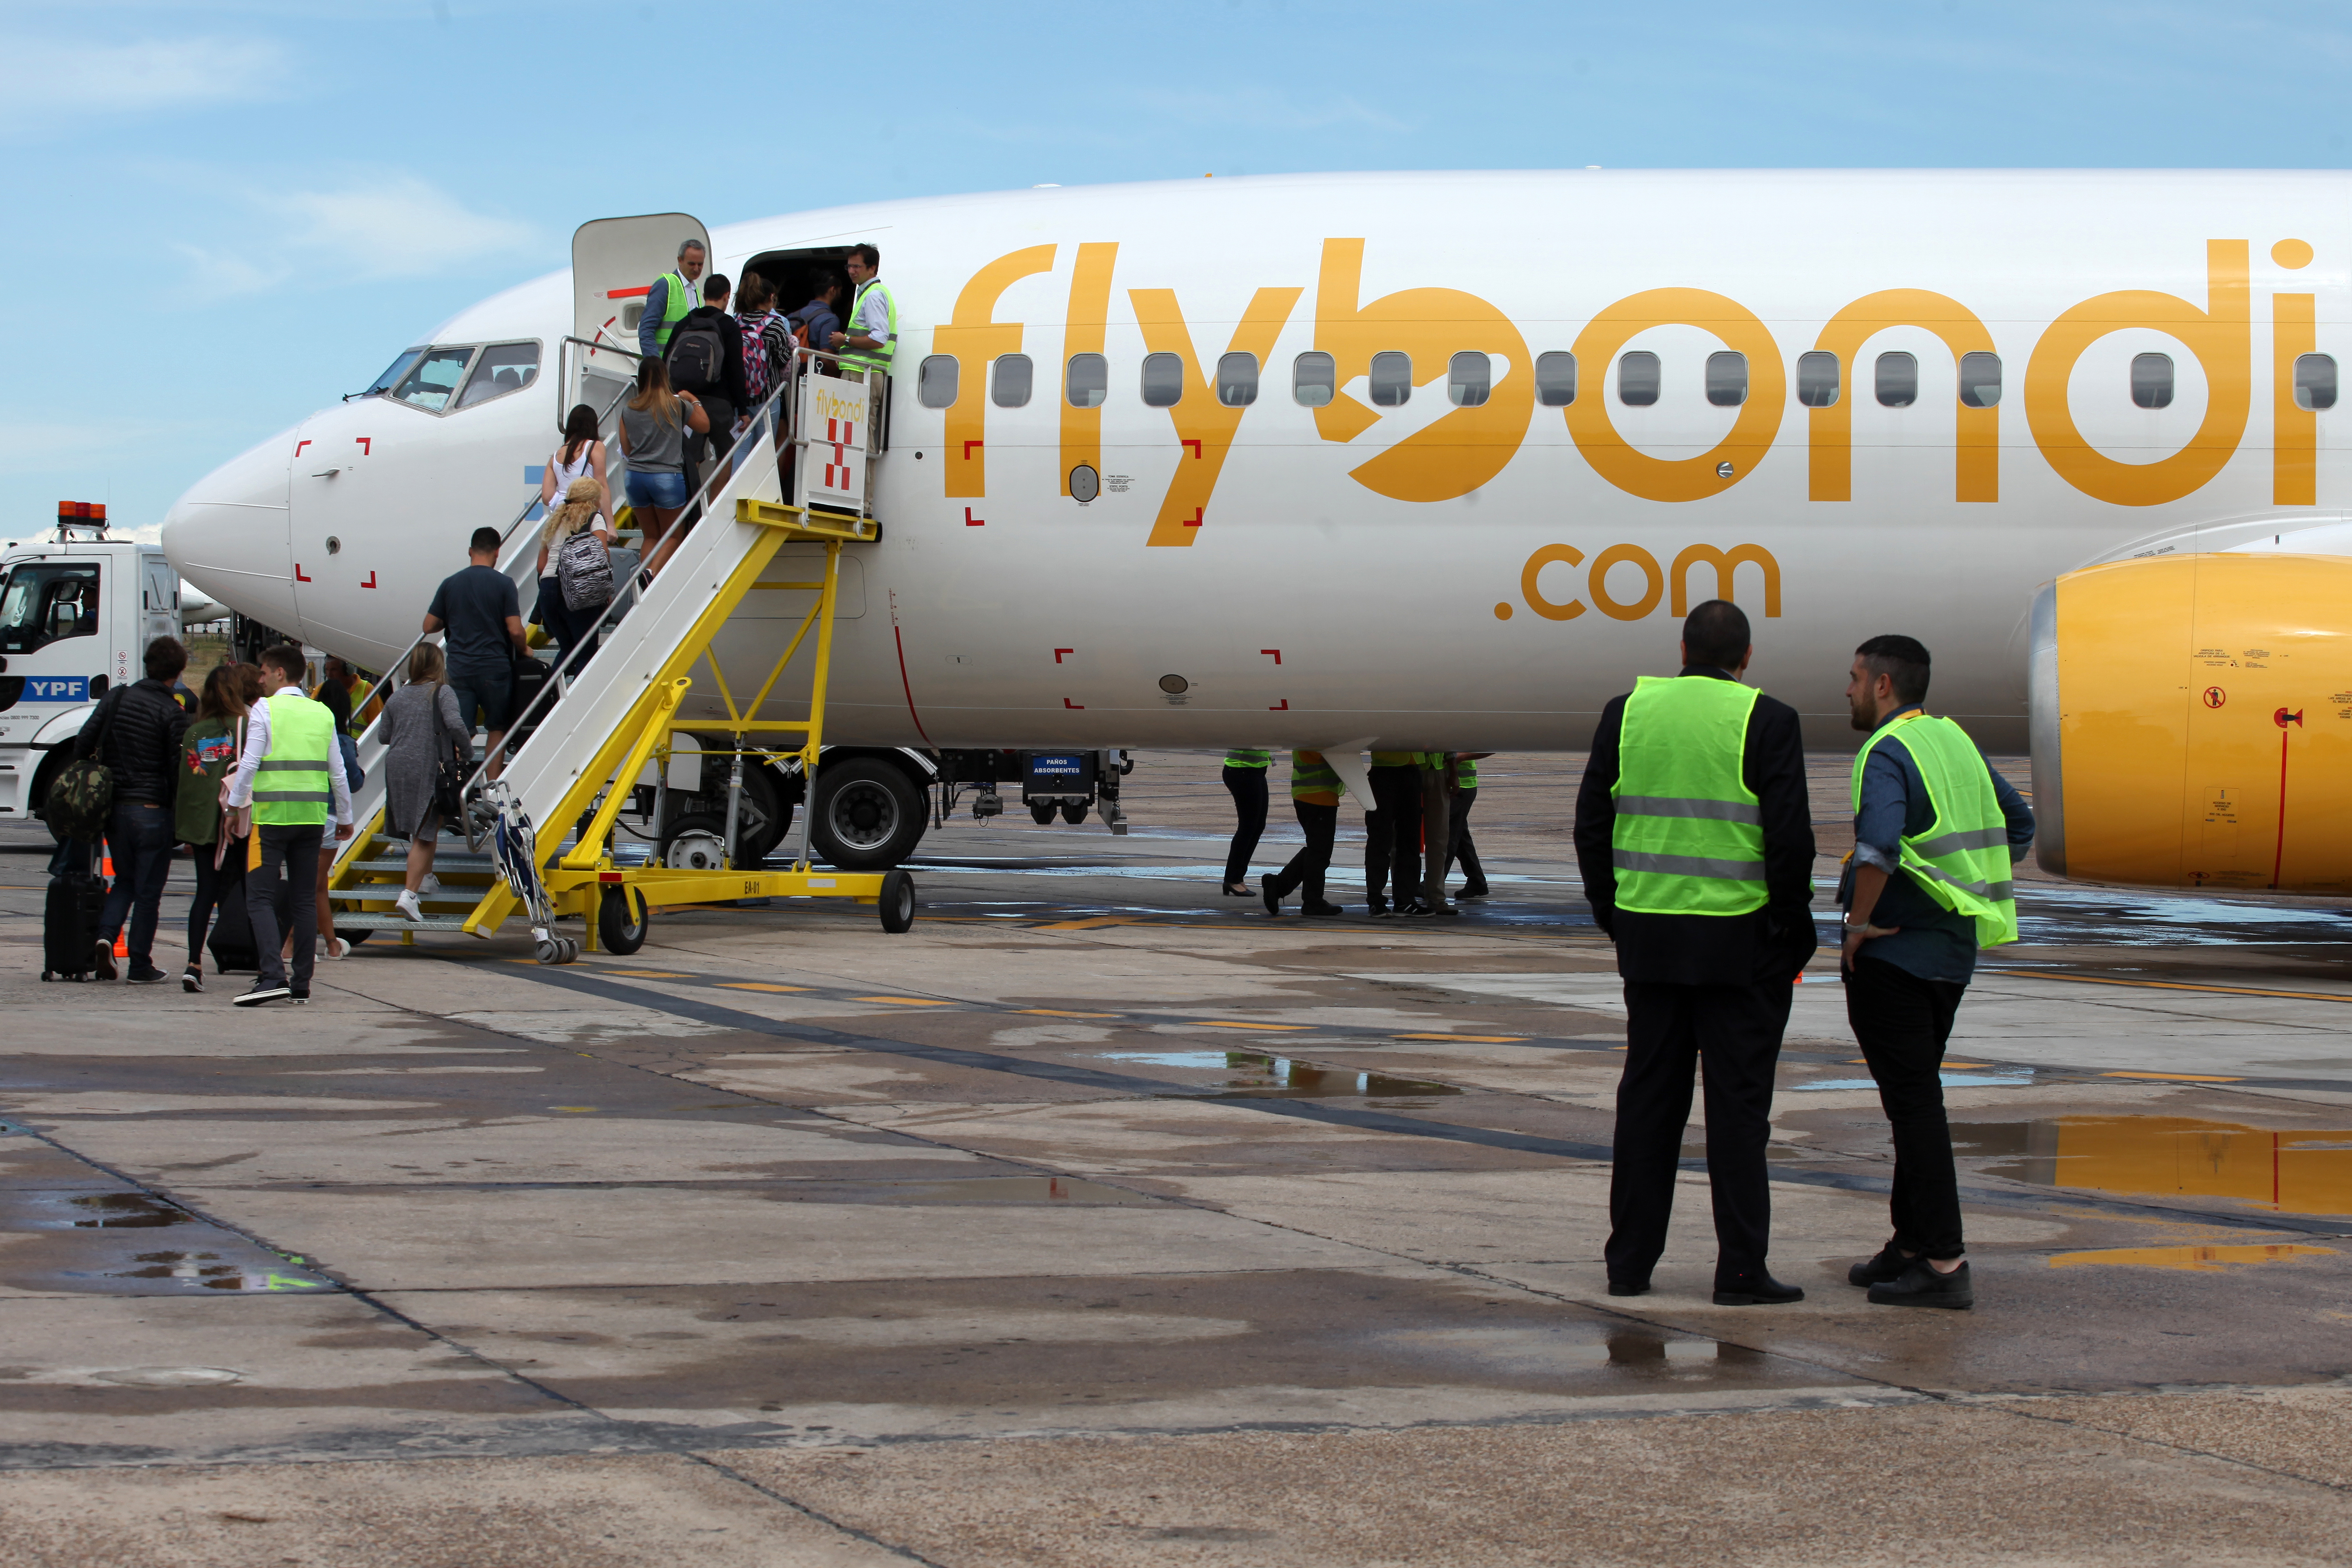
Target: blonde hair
(578,510)
(424,665)
(653,393)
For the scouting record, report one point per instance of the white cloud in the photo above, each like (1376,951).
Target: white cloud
(50,79)
(398,227)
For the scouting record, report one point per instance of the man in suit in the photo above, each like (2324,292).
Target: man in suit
(1696,842)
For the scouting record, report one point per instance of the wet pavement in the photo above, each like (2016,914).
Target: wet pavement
(1103,1220)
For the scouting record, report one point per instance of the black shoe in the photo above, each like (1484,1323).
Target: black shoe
(1472,890)
(263,992)
(1233,892)
(1756,1289)
(1923,1285)
(1378,911)
(1418,909)
(104,967)
(192,981)
(1890,1263)
(1628,1287)
(147,976)
(1324,909)
(1273,899)
(298,996)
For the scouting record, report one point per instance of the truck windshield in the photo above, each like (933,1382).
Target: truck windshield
(47,601)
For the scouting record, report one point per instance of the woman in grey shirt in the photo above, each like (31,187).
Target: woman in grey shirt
(653,439)
(421,727)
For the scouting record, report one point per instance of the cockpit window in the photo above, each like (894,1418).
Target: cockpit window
(390,378)
(502,368)
(435,379)
(46,603)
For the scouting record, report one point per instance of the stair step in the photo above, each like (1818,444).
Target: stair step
(394,921)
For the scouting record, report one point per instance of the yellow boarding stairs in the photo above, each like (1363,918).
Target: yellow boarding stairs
(588,740)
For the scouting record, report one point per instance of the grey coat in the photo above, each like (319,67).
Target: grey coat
(414,747)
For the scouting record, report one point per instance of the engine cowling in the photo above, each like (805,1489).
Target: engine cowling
(2192,722)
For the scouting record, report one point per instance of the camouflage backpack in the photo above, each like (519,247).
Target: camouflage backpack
(82,794)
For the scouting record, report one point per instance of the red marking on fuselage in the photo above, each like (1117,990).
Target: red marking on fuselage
(637,294)
(968,445)
(1194,521)
(1275,651)
(1060,651)
(297,573)
(1280,705)
(370,582)
(972,522)
(298,445)
(1079,706)
(1195,446)
(367,444)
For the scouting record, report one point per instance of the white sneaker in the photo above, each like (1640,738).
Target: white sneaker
(430,886)
(337,947)
(406,904)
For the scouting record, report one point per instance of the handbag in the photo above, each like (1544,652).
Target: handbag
(448,773)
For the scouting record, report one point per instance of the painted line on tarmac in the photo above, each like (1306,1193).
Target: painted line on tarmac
(1367,1120)
(2177,985)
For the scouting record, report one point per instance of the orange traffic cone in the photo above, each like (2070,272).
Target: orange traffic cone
(121,945)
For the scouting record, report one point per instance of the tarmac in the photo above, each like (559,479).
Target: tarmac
(1101,1220)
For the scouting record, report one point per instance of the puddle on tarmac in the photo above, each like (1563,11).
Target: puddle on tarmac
(124,1211)
(2298,1171)
(88,1246)
(201,1271)
(2021,1078)
(1252,1074)
(2208,1259)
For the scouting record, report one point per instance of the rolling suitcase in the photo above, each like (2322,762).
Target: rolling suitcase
(231,943)
(69,919)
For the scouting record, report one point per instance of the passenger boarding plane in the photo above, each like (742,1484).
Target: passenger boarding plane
(1437,460)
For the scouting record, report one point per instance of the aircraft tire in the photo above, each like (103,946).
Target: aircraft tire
(868,815)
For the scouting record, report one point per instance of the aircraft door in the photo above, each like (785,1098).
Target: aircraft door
(615,261)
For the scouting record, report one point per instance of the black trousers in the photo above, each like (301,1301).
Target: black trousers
(1396,793)
(1457,844)
(1670,1029)
(208,888)
(1247,786)
(1306,869)
(291,906)
(1901,1023)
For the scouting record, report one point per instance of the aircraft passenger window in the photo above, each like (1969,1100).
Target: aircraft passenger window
(1637,379)
(1726,379)
(2151,380)
(936,379)
(1817,379)
(1898,380)
(390,378)
(1555,380)
(1469,379)
(1163,381)
(1980,380)
(2314,381)
(43,603)
(435,377)
(1237,380)
(1392,379)
(1311,380)
(502,368)
(1013,375)
(1086,380)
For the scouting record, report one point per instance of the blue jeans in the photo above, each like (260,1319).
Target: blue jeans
(490,687)
(666,491)
(138,836)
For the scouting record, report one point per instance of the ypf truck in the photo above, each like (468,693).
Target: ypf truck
(77,612)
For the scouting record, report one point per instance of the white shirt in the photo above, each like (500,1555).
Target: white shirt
(256,746)
(872,316)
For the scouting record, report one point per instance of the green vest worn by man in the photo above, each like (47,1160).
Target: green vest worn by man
(1962,859)
(678,301)
(1311,773)
(1690,836)
(292,788)
(1243,757)
(854,358)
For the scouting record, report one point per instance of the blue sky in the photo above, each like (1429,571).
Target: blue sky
(226,215)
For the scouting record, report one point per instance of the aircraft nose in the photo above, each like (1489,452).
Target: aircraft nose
(227,535)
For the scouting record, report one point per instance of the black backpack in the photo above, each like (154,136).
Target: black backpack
(697,358)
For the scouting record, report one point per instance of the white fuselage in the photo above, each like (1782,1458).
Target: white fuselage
(1420,573)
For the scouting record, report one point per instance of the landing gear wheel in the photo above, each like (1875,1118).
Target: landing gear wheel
(1041,812)
(898,902)
(696,842)
(1073,812)
(869,815)
(617,931)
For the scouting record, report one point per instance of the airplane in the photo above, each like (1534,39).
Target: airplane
(1439,461)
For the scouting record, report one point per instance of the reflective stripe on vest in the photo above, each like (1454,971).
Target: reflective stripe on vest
(292,788)
(1962,860)
(1240,757)
(1316,776)
(678,301)
(1690,836)
(871,359)
(1465,774)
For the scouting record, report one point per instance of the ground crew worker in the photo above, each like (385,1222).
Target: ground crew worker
(1315,790)
(291,773)
(1936,832)
(1696,842)
(1245,781)
(871,337)
(1458,846)
(1392,843)
(672,296)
